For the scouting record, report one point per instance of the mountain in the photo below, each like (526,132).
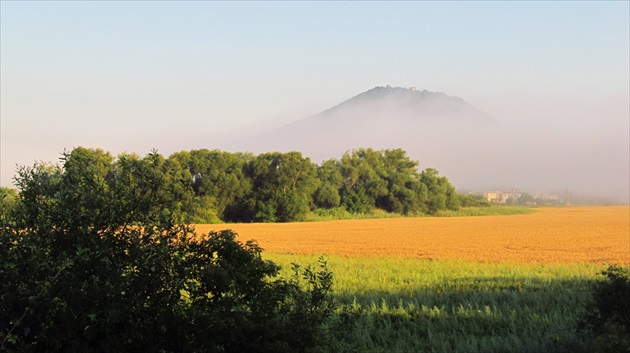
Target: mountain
(406,105)
(473,150)
(434,128)
(391,112)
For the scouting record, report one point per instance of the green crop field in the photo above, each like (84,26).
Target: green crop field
(514,283)
(420,305)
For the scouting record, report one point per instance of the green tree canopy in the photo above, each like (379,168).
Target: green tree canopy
(214,186)
(441,194)
(282,186)
(327,194)
(217,180)
(95,258)
(389,180)
(8,199)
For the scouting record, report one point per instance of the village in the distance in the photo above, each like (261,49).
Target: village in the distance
(537,198)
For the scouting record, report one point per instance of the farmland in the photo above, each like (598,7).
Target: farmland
(509,283)
(550,235)
(468,284)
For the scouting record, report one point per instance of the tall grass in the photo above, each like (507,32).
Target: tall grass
(486,211)
(415,305)
(340,213)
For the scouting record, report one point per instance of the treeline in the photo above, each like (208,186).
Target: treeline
(218,186)
(284,187)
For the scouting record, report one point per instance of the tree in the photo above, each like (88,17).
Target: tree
(8,199)
(362,183)
(285,187)
(386,179)
(327,194)
(405,193)
(95,258)
(441,194)
(282,187)
(217,180)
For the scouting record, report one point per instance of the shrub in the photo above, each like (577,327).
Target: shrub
(94,258)
(473,201)
(608,316)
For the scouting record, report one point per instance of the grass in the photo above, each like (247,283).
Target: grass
(512,284)
(340,213)
(486,211)
(418,305)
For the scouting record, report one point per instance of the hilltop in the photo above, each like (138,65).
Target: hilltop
(439,130)
(408,103)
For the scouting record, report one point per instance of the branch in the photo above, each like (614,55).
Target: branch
(15,325)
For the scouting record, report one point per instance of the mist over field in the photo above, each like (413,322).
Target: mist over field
(499,104)
(585,151)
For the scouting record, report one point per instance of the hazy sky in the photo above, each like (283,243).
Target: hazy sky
(131,76)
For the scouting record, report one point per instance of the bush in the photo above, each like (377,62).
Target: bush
(608,315)
(8,198)
(473,201)
(94,258)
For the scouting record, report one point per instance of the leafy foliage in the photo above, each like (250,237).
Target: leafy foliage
(215,186)
(282,185)
(608,316)
(473,201)
(8,199)
(327,195)
(441,194)
(389,180)
(286,187)
(94,257)
(217,180)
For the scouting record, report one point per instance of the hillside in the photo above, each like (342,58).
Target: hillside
(404,104)
(445,132)
(435,128)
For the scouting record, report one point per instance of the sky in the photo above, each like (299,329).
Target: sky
(133,76)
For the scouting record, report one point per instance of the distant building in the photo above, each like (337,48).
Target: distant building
(546,197)
(497,196)
(413,88)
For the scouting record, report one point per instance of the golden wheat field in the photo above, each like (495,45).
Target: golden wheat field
(551,235)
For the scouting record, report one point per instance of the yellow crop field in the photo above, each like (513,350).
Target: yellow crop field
(551,235)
